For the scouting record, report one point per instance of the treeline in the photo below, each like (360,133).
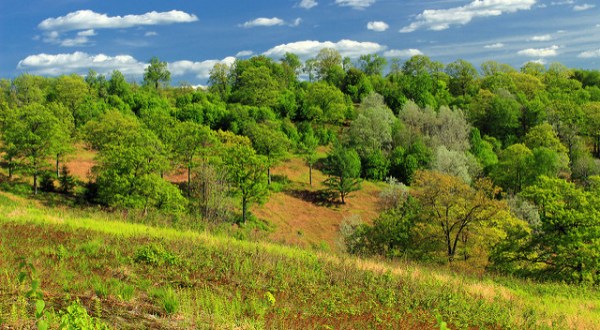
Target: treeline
(502,163)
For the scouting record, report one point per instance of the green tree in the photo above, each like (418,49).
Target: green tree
(270,143)
(246,172)
(191,140)
(32,133)
(453,214)
(156,73)
(308,149)
(343,167)
(515,167)
(563,245)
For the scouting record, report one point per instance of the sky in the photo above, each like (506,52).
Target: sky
(55,37)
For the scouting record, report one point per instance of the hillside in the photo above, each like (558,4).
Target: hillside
(134,276)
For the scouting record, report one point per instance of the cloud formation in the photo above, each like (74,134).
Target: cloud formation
(403,53)
(590,54)
(442,19)
(87,19)
(263,21)
(244,53)
(309,48)
(200,69)
(377,26)
(307,4)
(540,52)
(355,4)
(80,62)
(583,7)
(545,37)
(494,46)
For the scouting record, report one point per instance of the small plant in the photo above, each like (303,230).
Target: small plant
(76,317)
(270,298)
(66,181)
(47,182)
(27,272)
(167,298)
(155,254)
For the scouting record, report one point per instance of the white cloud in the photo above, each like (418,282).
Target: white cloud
(539,61)
(310,48)
(494,46)
(356,4)
(442,19)
(73,42)
(87,19)
(150,34)
(296,22)
(87,33)
(378,26)
(262,21)
(590,54)
(200,69)
(307,4)
(583,7)
(545,37)
(539,52)
(405,53)
(244,53)
(80,62)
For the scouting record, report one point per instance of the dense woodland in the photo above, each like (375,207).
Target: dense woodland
(493,167)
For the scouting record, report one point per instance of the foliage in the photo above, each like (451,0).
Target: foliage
(343,167)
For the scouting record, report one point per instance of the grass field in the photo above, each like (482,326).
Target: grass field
(136,276)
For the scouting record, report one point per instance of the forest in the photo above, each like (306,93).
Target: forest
(496,168)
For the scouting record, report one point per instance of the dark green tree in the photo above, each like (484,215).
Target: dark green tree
(156,74)
(342,165)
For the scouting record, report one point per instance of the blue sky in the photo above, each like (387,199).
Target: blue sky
(53,37)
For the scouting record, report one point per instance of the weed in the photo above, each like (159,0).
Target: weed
(167,298)
(155,255)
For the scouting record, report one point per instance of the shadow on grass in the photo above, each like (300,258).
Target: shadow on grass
(322,197)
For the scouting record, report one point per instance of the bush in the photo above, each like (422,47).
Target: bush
(156,255)
(47,182)
(76,317)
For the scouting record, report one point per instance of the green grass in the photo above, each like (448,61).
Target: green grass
(137,276)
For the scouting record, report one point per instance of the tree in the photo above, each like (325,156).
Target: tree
(156,73)
(218,80)
(308,148)
(270,143)
(343,167)
(71,92)
(329,66)
(246,172)
(514,170)
(564,244)
(32,133)
(463,78)
(452,212)
(191,140)
(372,64)
(256,86)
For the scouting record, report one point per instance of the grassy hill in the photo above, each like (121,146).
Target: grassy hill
(136,276)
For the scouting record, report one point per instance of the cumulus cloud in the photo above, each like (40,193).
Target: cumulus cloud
(442,19)
(310,48)
(494,46)
(404,53)
(244,53)
(545,37)
(87,19)
(590,54)
(263,21)
(80,62)
(583,7)
(200,69)
(378,26)
(355,4)
(307,4)
(539,52)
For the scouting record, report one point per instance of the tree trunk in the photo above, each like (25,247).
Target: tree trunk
(189,181)
(35,189)
(269,175)
(244,208)
(310,174)
(57,163)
